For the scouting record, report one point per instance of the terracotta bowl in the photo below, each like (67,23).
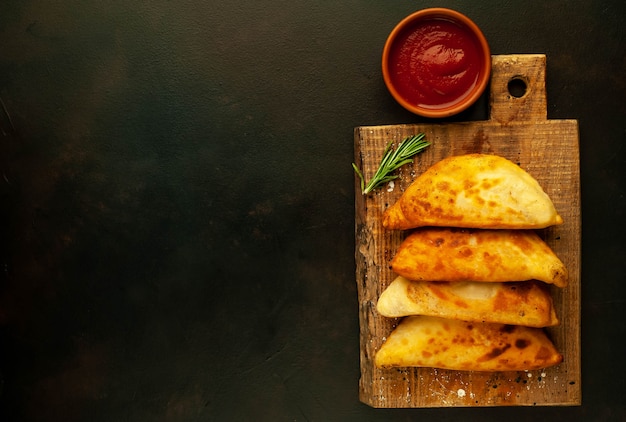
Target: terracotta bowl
(436,62)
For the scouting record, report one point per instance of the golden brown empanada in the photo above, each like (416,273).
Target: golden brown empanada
(449,254)
(476,191)
(426,341)
(519,303)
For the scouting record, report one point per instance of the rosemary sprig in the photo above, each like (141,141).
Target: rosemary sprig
(391,161)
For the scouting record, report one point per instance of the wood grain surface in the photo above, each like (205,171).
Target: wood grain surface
(517,129)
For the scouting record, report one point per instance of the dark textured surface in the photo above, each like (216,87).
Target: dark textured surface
(176,215)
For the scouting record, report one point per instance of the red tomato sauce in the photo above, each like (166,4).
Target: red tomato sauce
(434,63)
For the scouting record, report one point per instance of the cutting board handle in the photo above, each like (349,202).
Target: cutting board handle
(518,88)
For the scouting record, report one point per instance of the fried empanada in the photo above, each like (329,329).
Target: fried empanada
(526,303)
(425,341)
(475,191)
(450,254)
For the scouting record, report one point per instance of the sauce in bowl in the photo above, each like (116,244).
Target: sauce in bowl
(436,65)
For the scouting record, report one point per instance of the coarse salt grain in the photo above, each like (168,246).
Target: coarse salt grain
(460,392)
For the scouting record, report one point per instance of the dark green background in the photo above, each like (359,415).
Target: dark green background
(176,202)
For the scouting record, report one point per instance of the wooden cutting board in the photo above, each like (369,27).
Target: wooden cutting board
(519,130)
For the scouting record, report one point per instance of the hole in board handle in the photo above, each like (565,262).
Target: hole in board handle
(517,86)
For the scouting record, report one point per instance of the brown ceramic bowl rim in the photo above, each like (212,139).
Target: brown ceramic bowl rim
(479,88)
